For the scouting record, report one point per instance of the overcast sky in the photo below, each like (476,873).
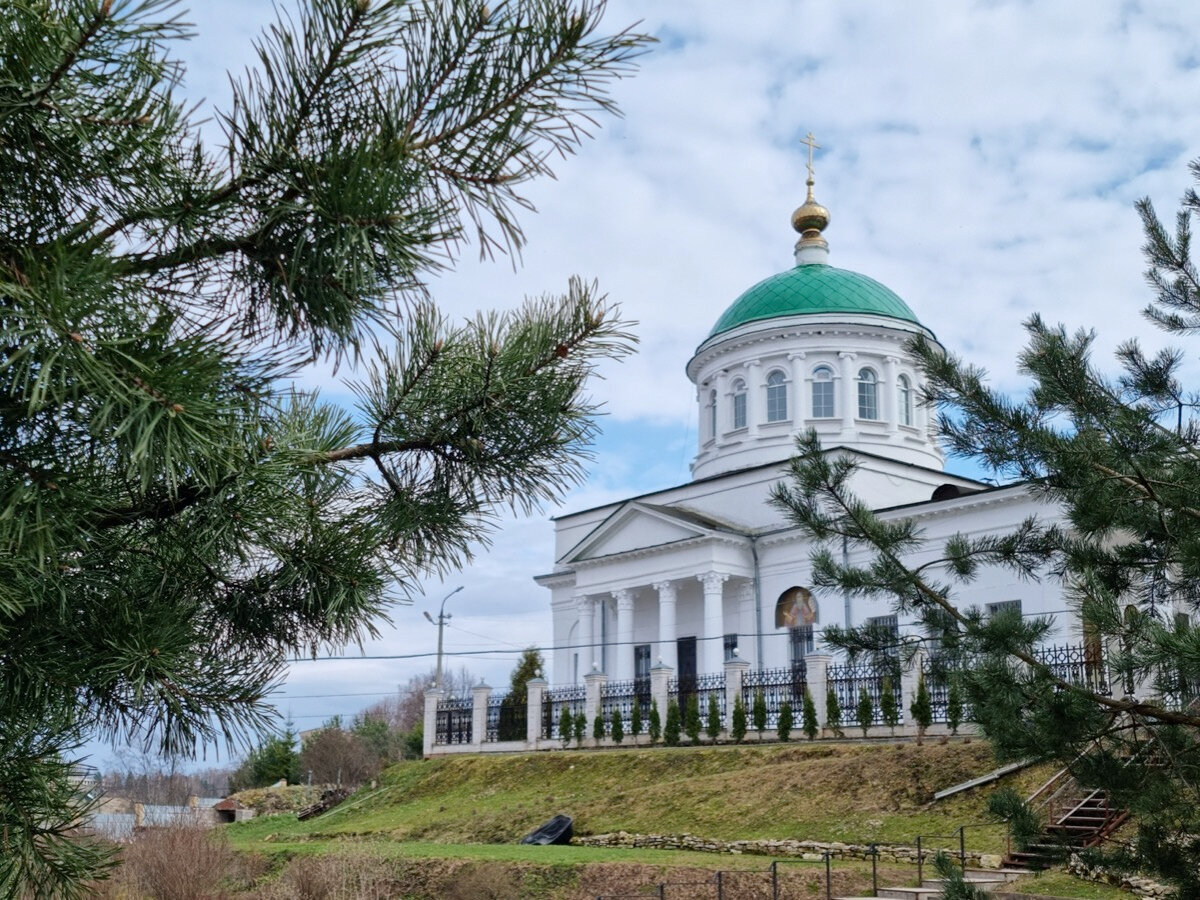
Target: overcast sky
(981,159)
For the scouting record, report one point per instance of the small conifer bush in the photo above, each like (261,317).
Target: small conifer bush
(921,708)
(737,729)
(580,729)
(865,711)
(954,706)
(691,721)
(598,727)
(655,726)
(808,716)
(672,729)
(566,726)
(759,713)
(889,709)
(712,727)
(784,729)
(833,713)
(617,728)
(636,725)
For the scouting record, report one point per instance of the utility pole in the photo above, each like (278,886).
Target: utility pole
(442,619)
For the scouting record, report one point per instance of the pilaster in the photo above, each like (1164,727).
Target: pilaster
(594,682)
(623,651)
(660,683)
(910,675)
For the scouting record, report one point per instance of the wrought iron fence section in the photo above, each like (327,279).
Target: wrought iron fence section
(710,686)
(681,690)
(506,719)
(849,680)
(621,696)
(939,672)
(1079,664)
(778,686)
(454,720)
(570,697)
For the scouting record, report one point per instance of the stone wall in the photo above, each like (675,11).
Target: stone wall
(800,849)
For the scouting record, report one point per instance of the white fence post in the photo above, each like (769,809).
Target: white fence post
(479,709)
(735,672)
(816,679)
(533,711)
(432,697)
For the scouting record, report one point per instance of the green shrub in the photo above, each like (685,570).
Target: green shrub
(737,729)
(566,726)
(784,729)
(672,729)
(833,713)
(655,728)
(888,708)
(617,728)
(580,728)
(865,711)
(691,721)
(808,716)
(954,706)
(635,721)
(712,727)
(921,708)
(759,713)
(598,727)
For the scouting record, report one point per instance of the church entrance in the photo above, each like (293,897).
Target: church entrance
(685,657)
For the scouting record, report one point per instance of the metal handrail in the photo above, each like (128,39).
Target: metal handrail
(960,833)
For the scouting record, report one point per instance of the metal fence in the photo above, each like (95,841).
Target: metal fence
(621,696)
(571,698)
(1079,664)
(940,671)
(777,686)
(682,690)
(454,720)
(849,681)
(507,718)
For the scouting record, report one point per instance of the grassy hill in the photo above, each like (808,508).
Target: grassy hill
(843,792)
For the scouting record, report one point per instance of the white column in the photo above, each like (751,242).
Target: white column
(724,413)
(666,624)
(587,632)
(755,405)
(849,390)
(713,652)
(745,618)
(889,395)
(623,651)
(799,401)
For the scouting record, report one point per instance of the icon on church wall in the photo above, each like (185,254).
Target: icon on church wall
(796,607)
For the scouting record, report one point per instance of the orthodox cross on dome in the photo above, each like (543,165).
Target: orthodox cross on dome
(811,143)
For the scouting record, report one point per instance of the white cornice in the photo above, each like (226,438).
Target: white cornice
(803,326)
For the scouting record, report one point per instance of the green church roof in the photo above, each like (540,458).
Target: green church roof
(813,289)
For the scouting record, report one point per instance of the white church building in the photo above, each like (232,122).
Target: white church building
(691,576)
(703,590)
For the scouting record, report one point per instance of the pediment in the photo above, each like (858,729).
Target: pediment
(641,526)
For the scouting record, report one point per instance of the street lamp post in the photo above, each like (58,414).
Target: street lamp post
(442,619)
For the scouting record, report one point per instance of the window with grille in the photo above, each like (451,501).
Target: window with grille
(1004,606)
(868,395)
(739,404)
(822,393)
(904,400)
(776,397)
(731,645)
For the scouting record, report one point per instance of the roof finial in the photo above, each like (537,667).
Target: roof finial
(811,143)
(811,218)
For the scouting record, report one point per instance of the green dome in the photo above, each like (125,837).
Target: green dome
(813,289)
